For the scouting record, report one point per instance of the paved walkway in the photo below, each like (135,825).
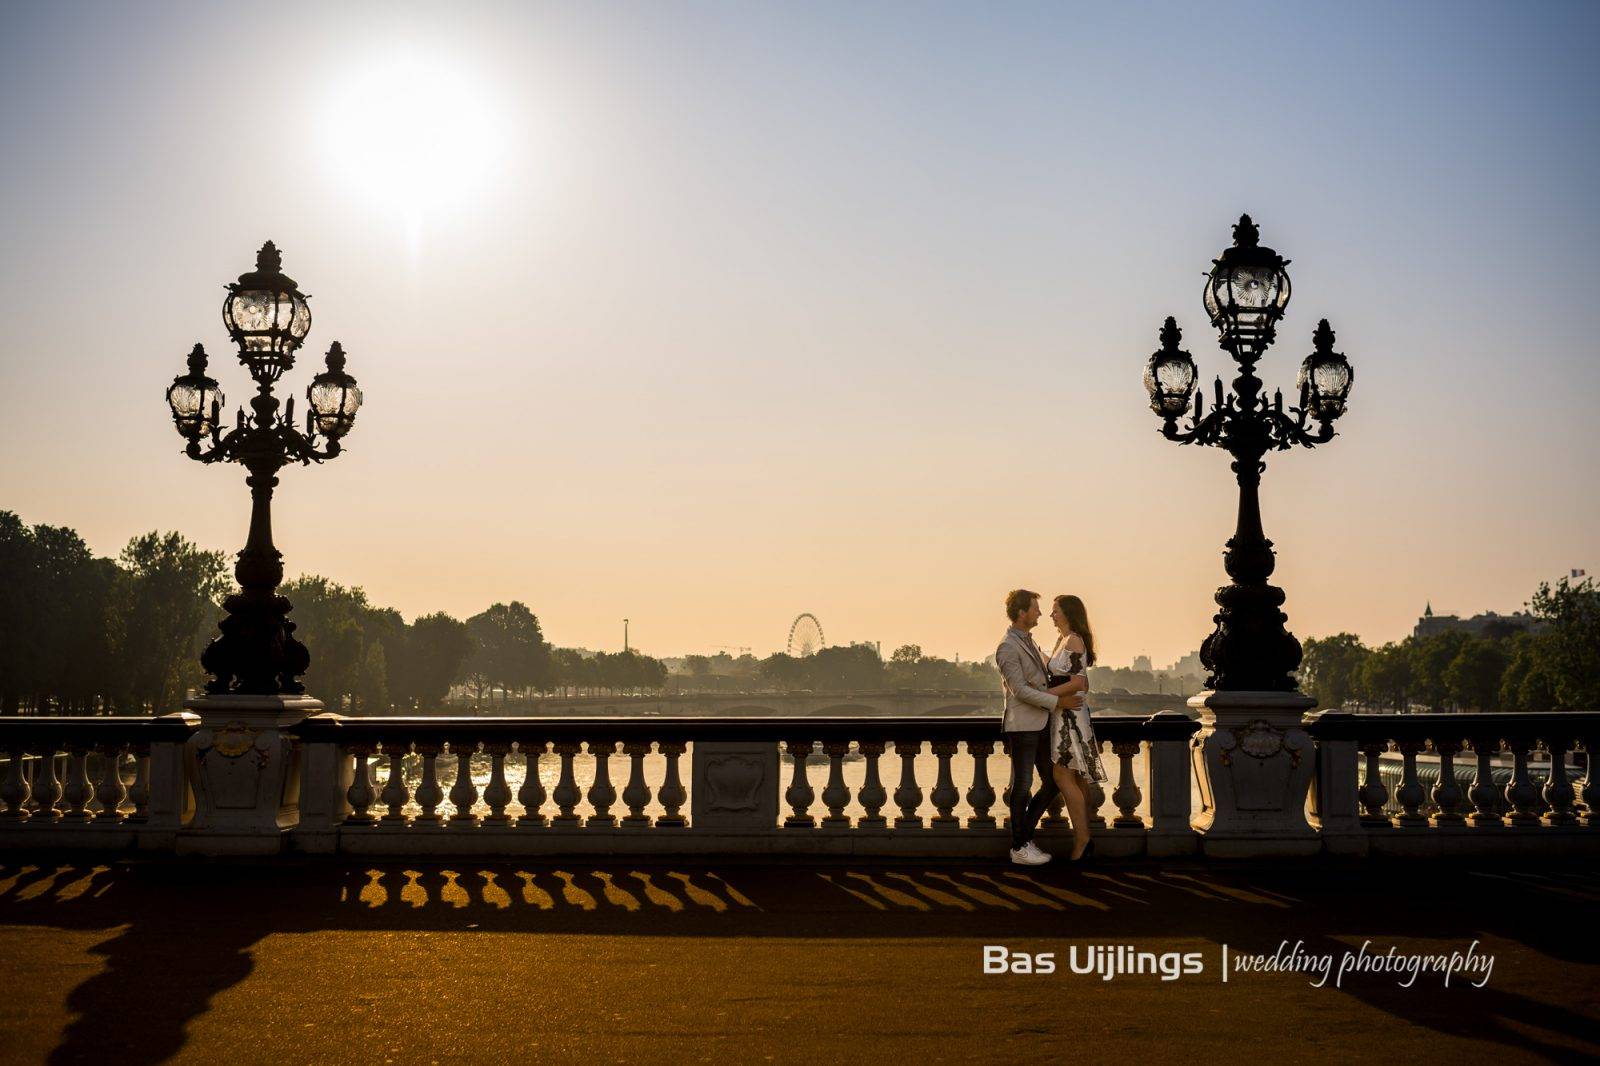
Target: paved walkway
(732,962)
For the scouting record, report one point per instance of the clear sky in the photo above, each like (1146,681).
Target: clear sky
(706,315)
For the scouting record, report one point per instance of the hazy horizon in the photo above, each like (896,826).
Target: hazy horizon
(708,315)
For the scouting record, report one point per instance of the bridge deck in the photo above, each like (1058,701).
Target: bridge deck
(334,962)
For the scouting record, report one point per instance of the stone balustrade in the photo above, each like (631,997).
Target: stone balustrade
(731,784)
(95,782)
(1466,808)
(842,785)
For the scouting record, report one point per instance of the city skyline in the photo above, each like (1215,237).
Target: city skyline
(716,318)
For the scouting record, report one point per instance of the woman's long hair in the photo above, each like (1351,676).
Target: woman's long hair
(1078,622)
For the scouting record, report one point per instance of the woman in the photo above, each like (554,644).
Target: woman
(1076,758)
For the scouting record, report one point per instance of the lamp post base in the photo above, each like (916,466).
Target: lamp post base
(1258,768)
(246,774)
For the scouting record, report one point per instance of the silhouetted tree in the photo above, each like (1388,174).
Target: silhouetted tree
(1571,641)
(1329,667)
(169,607)
(511,651)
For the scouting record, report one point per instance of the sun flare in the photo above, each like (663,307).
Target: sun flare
(412,133)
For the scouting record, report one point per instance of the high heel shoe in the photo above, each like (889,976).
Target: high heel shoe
(1088,850)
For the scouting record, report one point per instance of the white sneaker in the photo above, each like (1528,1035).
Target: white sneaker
(1029,855)
(1044,856)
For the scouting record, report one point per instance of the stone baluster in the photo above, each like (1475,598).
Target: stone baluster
(1447,795)
(1126,795)
(531,794)
(672,794)
(1168,782)
(1005,793)
(637,794)
(429,794)
(1558,791)
(78,793)
(836,796)
(1055,811)
(395,792)
(1588,793)
(945,795)
(873,795)
(497,794)
(464,792)
(46,786)
(139,794)
(1521,793)
(360,794)
(1483,793)
(980,797)
(1410,794)
(799,793)
(1095,795)
(566,792)
(109,791)
(908,796)
(15,791)
(601,794)
(1373,794)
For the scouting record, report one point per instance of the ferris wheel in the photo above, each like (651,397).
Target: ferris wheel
(805,635)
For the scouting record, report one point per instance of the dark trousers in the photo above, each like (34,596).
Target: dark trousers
(1030,750)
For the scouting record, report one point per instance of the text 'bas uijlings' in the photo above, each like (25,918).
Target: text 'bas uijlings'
(1107,961)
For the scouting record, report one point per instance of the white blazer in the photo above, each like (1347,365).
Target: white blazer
(1024,681)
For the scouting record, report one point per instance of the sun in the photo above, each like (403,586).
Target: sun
(412,133)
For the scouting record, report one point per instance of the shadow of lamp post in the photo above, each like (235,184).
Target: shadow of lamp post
(256,663)
(1258,759)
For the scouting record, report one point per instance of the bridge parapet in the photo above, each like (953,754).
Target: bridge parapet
(797,785)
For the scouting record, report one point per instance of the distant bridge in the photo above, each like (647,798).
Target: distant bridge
(901,703)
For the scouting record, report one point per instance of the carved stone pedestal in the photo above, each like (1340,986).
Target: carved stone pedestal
(734,785)
(1258,768)
(246,774)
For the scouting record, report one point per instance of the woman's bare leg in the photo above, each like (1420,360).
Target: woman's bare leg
(1077,805)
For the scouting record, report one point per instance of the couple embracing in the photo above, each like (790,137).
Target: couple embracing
(1046,721)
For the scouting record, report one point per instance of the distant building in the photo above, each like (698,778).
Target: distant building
(1488,624)
(1142,662)
(1189,664)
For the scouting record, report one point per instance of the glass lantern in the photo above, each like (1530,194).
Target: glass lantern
(1170,375)
(1325,377)
(195,399)
(1246,292)
(267,317)
(334,397)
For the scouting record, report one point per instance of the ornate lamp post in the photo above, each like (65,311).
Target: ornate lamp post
(268,318)
(1258,760)
(1245,296)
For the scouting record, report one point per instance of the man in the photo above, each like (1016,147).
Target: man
(1027,723)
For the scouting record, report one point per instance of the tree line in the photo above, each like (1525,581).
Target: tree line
(81,634)
(1555,666)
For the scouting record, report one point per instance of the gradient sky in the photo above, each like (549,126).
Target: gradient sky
(742,310)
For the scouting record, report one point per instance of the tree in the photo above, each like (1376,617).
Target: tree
(699,666)
(1473,678)
(1430,658)
(511,651)
(853,668)
(168,609)
(1571,641)
(1386,678)
(437,648)
(1526,684)
(371,693)
(1329,666)
(331,620)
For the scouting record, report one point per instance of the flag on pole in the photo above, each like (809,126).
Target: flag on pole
(1577,573)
